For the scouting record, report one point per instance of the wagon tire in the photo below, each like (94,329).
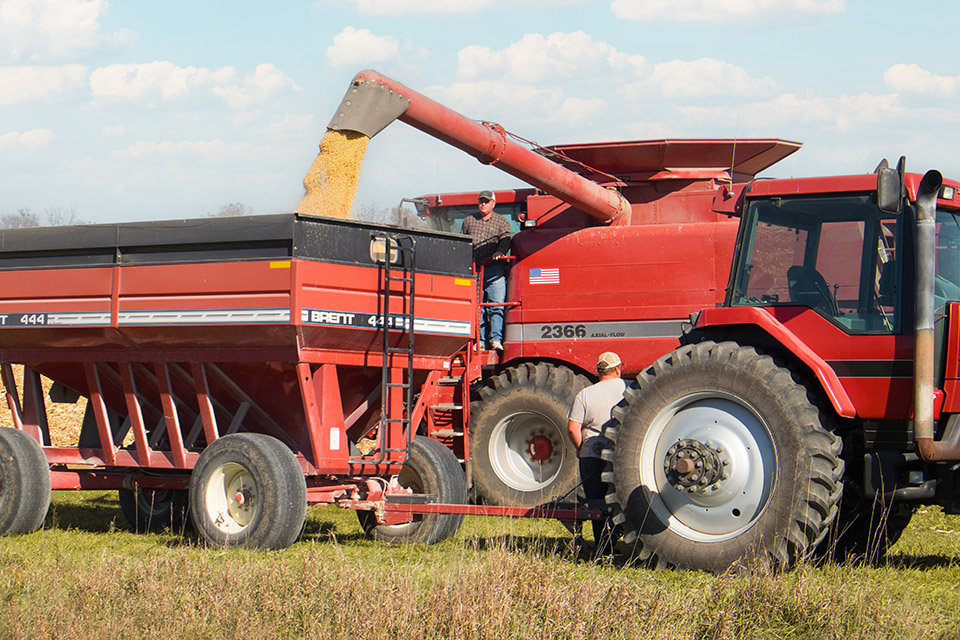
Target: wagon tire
(519,448)
(757,438)
(24,483)
(431,468)
(247,490)
(155,509)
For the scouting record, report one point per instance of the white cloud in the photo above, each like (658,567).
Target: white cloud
(535,58)
(574,110)
(114,130)
(266,82)
(911,78)
(54,29)
(39,84)
(291,125)
(789,110)
(210,150)
(725,10)
(698,78)
(165,81)
(403,7)
(152,80)
(29,140)
(477,97)
(356,47)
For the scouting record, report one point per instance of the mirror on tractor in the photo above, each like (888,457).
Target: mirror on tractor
(889,189)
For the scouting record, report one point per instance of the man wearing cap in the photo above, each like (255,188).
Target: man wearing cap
(491,244)
(590,411)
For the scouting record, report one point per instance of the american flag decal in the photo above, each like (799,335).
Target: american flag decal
(544,276)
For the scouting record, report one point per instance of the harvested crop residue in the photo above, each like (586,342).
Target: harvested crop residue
(332,180)
(64,420)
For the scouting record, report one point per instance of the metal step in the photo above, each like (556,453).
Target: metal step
(447,406)
(450,380)
(446,433)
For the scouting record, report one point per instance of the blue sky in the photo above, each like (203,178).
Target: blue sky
(151,110)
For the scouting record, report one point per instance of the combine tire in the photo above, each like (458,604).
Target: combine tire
(24,483)
(720,461)
(430,469)
(518,435)
(155,509)
(248,490)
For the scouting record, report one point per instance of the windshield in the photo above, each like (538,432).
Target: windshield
(834,254)
(947,282)
(450,218)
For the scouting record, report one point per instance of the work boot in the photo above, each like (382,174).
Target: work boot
(496,346)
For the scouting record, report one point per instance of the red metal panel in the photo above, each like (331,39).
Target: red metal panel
(764,318)
(108,449)
(320,393)
(170,415)
(202,387)
(134,413)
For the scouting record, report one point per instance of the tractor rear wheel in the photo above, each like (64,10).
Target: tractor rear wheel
(24,483)
(431,468)
(155,509)
(520,451)
(248,490)
(720,460)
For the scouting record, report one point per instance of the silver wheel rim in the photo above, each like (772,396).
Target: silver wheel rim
(739,499)
(526,451)
(232,498)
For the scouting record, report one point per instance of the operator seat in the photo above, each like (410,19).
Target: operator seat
(808,287)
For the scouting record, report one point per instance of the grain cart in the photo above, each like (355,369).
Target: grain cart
(615,247)
(237,368)
(826,383)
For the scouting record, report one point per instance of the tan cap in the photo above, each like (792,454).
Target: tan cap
(486,195)
(608,360)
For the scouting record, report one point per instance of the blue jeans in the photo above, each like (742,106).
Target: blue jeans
(494,290)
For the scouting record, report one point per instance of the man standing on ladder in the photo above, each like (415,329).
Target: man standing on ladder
(589,412)
(491,244)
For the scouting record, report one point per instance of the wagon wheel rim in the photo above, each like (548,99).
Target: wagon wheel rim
(232,498)
(526,451)
(721,431)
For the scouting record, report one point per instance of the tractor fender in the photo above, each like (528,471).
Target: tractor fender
(764,320)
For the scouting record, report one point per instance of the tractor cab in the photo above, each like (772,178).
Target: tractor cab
(840,255)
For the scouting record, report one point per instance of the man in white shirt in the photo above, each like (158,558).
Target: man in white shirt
(589,412)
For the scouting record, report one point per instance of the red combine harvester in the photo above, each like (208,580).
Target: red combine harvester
(616,247)
(579,287)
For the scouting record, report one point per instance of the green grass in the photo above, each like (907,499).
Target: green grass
(85,575)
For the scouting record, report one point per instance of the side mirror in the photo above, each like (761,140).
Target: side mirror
(889,190)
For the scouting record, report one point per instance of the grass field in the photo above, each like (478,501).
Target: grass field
(85,575)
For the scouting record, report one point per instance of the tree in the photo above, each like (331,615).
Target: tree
(60,217)
(232,210)
(22,219)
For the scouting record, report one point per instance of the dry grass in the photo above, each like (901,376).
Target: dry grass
(85,576)
(332,180)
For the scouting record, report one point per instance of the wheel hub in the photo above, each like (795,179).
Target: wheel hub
(692,466)
(540,448)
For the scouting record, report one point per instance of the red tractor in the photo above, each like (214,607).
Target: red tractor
(824,388)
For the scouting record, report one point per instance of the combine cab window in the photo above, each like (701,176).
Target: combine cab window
(947,282)
(450,218)
(836,255)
